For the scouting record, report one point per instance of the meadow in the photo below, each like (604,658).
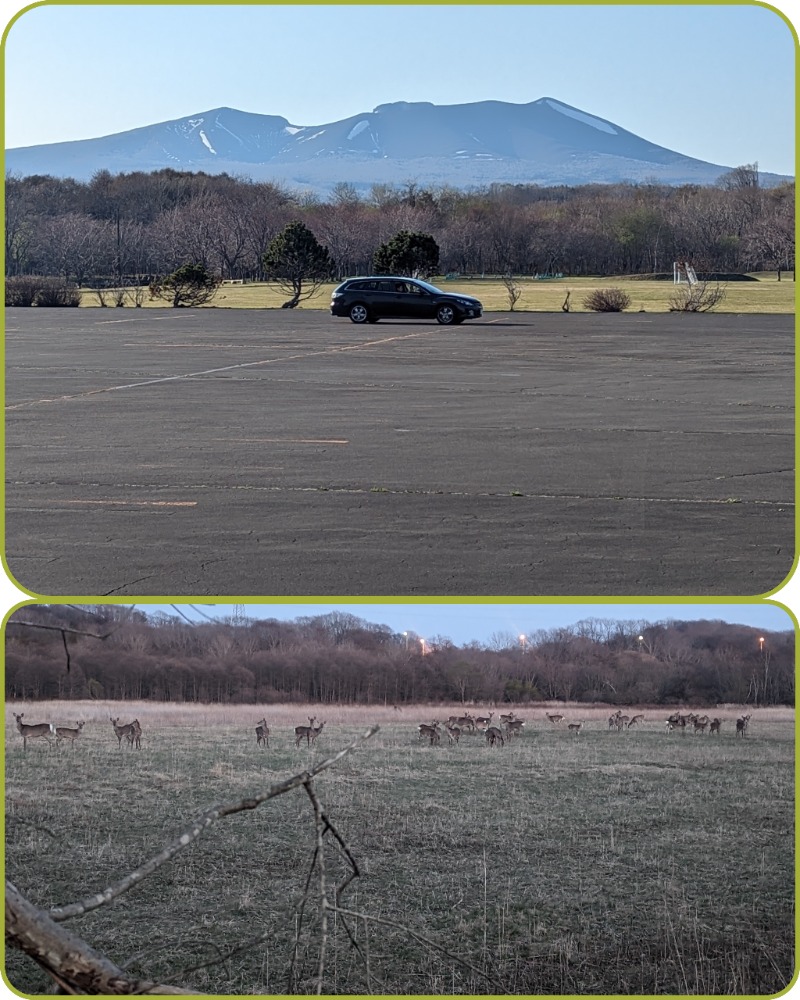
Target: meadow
(765,295)
(592,863)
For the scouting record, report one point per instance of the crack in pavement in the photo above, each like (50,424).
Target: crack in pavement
(375,490)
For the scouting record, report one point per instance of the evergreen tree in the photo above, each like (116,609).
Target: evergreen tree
(413,254)
(190,285)
(297,262)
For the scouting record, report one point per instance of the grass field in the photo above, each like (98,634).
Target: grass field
(596,863)
(766,295)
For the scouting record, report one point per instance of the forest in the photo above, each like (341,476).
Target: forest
(128,229)
(114,652)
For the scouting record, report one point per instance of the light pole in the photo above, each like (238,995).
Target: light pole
(522,640)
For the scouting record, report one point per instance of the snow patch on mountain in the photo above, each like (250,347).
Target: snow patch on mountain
(581,117)
(357,129)
(207,143)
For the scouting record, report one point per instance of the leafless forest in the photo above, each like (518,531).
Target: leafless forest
(338,659)
(116,228)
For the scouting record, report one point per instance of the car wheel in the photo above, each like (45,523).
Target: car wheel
(446,315)
(359,313)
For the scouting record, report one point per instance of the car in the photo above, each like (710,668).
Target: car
(366,300)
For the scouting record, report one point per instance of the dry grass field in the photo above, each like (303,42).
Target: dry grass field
(564,863)
(766,295)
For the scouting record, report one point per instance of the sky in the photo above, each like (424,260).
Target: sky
(464,623)
(710,81)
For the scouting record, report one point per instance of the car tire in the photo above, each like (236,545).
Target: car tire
(359,313)
(446,315)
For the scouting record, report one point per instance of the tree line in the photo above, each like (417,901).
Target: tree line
(110,652)
(124,228)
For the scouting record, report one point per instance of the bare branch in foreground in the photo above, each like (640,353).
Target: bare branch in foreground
(64,956)
(203,821)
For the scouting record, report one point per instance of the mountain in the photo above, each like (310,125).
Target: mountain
(464,145)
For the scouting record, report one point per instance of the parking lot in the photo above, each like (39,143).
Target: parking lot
(267,452)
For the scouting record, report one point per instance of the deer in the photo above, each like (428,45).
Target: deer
(575,727)
(465,721)
(741,725)
(453,733)
(635,720)
(309,732)
(65,733)
(700,725)
(132,732)
(612,719)
(507,718)
(493,734)
(34,731)
(431,732)
(555,719)
(677,721)
(135,735)
(482,722)
(715,727)
(514,727)
(262,734)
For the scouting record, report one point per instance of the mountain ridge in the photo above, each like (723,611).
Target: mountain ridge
(542,142)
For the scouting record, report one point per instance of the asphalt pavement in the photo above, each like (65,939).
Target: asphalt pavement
(171,453)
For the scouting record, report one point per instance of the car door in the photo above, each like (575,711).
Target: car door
(420,302)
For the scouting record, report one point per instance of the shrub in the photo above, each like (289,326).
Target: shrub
(38,290)
(701,297)
(21,290)
(607,300)
(56,292)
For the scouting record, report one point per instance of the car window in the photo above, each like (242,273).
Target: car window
(384,286)
(400,286)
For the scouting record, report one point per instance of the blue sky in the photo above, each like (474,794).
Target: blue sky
(464,623)
(711,81)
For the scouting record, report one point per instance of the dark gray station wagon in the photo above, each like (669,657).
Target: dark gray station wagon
(366,300)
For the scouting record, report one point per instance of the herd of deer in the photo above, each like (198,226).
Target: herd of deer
(506,727)
(308,733)
(45,730)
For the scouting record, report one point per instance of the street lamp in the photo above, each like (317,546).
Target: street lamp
(761,641)
(522,640)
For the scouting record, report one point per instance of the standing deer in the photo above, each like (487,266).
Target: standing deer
(466,721)
(65,733)
(715,727)
(514,727)
(555,719)
(741,725)
(34,731)
(453,733)
(309,732)
(493,735)
(635,720)
(262,734)
(431,732)
(482,722)
(135,735)
(132,732)
(575,727)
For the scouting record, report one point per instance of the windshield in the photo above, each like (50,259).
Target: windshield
(429,287)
